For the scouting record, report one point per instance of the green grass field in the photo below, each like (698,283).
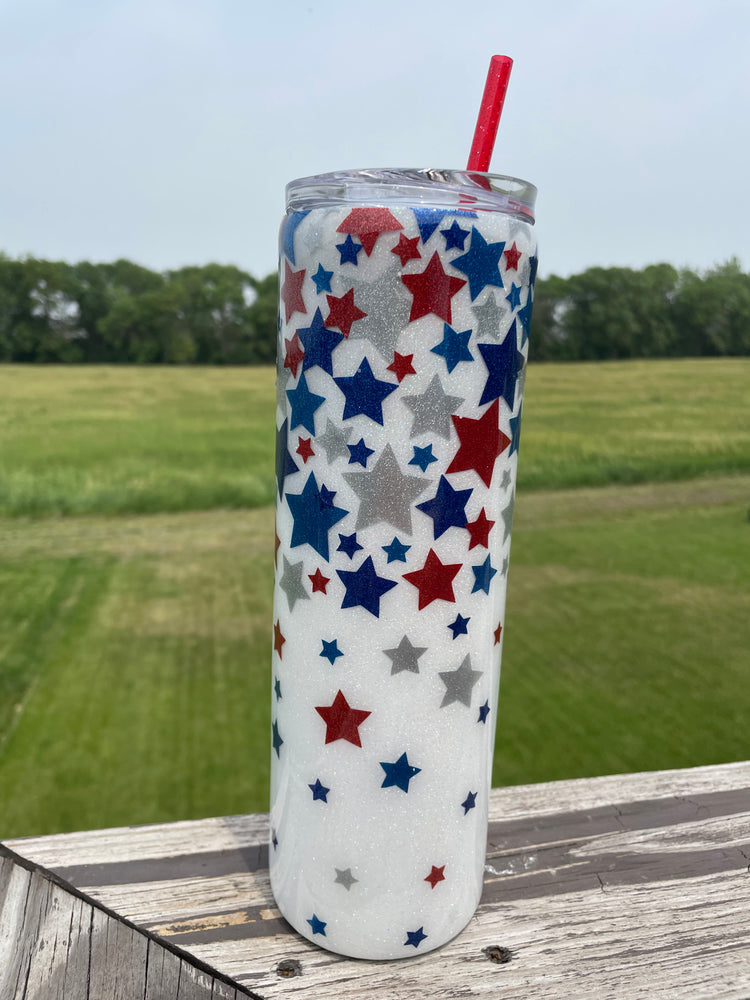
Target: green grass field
(135,635)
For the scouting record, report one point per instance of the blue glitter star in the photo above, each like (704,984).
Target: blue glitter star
(349,544)
(524,317)
(304,404)
(277,740)
(454,237)
(319,792)
(359,453)
(447,508)
(277,688)
(331,651)
(364,587)
(482,576)
(364,393)
(454,346)
(285,464)
(399,774)
(504,362)
(533,265)
(288,229)
(415,937)
(515,432)
(484,711)
(396,550)
(514,296)
(319,343)
(422,457)
(459,626)
(481,264)
(318,925)
(322,279)
(348,251)
(313,516)
(469,802)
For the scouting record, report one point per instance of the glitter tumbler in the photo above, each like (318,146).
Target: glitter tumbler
(406,299)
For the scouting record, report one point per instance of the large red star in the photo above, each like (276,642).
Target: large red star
(434,581)
(481,442)
(319,582)
(480,530)
(368,224)
(512,257)
(291,291)
(433,290)
(406,249)
(402,365)
(343,312)
(342,721)
(293,354)
(436,875)
(278,638)
(304,449)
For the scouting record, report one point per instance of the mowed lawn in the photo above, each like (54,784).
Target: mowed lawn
(135,635)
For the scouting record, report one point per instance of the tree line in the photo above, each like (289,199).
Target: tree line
(52,311)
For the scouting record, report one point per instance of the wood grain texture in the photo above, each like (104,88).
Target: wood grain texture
(621,886)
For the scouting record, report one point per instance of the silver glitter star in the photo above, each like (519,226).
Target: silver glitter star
(387,304)
(291,583)
(504,567)
(385,493)
(333,441)
(459,683)
(432,410)
(344,877)
(505,481)
(507,515)
(282,380)
(405,656)
(489,317)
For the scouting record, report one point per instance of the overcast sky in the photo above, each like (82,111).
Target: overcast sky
(165,130)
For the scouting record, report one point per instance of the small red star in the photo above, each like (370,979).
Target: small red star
(406,249)
(291,291)
(304,449)
(343,312)
(433,290)
(481,443)
(436,875)
(294,354)
(342,721)
(497,632)
(278,638)
(319,582)
(368,224)
(434,581)
(402,365)
(276,544)
(512,258)
(480,530)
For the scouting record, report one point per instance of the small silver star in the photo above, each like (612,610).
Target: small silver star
(432,409)
(459,683)
(344,877)
(504,568)
(489,317)
(385,493)
(333,441)
(405,656)
(507,515)
(505,481)
(387,304)
(291,583)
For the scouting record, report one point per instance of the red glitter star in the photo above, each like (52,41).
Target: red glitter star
(512,257)
(436,875)
(433,290)
(291,291)
(406,249)
(319,582)
(368,224)
(293,354)
(304,449)
(278,638)
(497,632)
(343,312)
(481,442)
(434,581)
(480,530)
(342,721)
(402,365)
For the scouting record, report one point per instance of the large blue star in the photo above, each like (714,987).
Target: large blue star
(348,251)
(428,219)
(331,650)
(400,773)
(481,264)
(319,791)
(304,404)
(364,393)
(285,464)
(319,343)
(447,508)
(277,740)
(288,229)
(318,926)
(422,457)
(314,516)
(415,937)
(322,279)
(482,576)
(364,587)
(454,346)
(504,362)
(396,550)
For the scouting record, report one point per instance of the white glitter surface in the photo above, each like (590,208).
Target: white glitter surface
(387,837)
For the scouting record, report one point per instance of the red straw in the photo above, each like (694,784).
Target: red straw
(490,110)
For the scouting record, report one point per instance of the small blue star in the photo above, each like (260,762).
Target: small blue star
(396,550)
(428,219)
(469,802)
(399,774)
(277,740)
(455,237)
(484,711)
(319,792)
(481,264)
(319,343)
(482,576)
(447,508)
(459,626)
(314,515)
(348,251)
(415,937)
(318,925)
(364,587)
(288,229)
(524,317)
(514,296)
(454,346)
(533,265)
(515,432)
(359,453)
(274,839)
(331,650)
(322,279)
(422,457)
(349,544)
(504,362)
(277,688)
(364,393)
(304,404)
